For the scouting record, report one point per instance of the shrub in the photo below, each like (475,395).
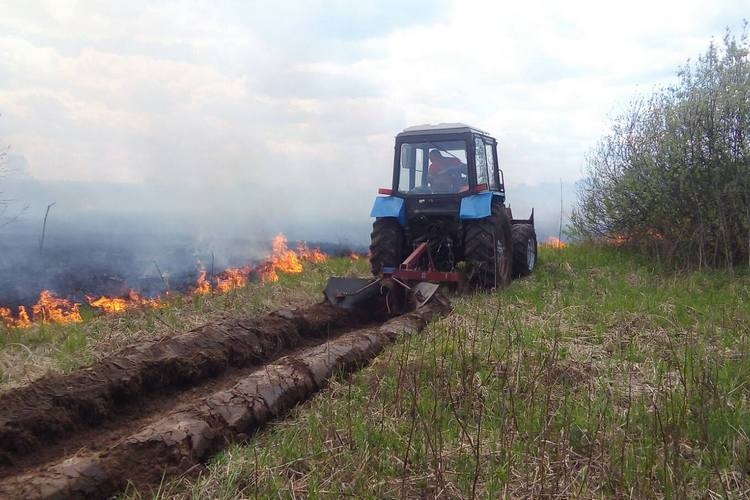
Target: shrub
(673,175)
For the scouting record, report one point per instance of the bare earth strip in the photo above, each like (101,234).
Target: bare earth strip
(41,413)
(184,435)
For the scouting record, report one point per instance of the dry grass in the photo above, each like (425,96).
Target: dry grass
(600,376)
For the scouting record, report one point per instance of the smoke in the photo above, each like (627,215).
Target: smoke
(104,238)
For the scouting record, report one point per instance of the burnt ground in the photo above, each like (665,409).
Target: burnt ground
(168,405)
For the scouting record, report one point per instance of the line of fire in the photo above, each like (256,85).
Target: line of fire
(53,309)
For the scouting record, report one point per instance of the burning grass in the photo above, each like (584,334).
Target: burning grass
(53,309)
(601,375)
(28,353)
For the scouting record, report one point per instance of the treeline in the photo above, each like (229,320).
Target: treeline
(673,175)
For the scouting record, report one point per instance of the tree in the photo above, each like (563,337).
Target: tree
(673,175)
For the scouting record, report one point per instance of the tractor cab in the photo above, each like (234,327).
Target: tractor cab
(446,159)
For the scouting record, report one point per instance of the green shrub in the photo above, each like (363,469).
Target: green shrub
(673,175)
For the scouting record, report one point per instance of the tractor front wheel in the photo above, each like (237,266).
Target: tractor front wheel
(386,244)
(524,250)
(487,249)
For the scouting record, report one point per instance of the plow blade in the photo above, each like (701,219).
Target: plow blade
(349,293)
(422,292)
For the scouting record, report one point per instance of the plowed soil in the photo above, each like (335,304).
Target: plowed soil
(166,406)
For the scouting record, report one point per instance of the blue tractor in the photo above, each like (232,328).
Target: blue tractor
(444,218)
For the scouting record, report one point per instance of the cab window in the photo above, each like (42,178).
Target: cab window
(480,157)
(433,167)
(491,165)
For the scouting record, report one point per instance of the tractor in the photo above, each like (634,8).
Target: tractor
(443,220)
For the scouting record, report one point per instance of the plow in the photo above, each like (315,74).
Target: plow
(164,407)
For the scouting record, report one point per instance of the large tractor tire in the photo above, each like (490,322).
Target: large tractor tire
(386,244)
(524,250)
(487,249)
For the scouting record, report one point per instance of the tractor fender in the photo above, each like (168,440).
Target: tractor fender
(389,206)
(477,206)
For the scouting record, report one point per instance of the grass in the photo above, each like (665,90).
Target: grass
(601,375)
(27,354)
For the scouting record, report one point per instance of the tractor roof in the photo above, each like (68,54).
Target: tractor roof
(441,128)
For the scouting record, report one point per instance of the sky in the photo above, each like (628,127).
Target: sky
(285,112)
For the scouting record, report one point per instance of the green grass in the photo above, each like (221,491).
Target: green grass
(601,375)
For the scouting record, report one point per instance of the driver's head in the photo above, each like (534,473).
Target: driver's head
(436,156)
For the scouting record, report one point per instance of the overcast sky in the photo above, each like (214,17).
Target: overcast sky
(269,97)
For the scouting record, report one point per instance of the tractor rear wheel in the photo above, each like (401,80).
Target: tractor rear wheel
(386,244)
(524,250)
(487,249)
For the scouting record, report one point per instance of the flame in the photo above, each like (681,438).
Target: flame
(53,309)
(619,240)
(283,259)
(314,255)
(22,321)
(555,242)
(287,261)
(354,256)
(6,315)
(232,278)
(114,305)
(202,285)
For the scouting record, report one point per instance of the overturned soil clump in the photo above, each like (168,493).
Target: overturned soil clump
(177,438)
(51,408)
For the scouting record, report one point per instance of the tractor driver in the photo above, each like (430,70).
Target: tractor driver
(447,173)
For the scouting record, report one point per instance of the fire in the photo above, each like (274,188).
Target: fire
(49,309)
(314,255)
(354,256)
(114,305)
(202,285)
(52,309)
(6,315)
(283,259)
(233,278)
(555,242)
(22,321)
(619,240)
(288,261)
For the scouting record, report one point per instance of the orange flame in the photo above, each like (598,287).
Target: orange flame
(354,256)
(283,259)
(287,261)
(6,315)
(202,285)
(114,305)
(619,240)
(314,255)
(23,320)
(555,242)
(233,278)
(53,309)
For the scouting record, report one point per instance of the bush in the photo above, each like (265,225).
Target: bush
(673,175)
